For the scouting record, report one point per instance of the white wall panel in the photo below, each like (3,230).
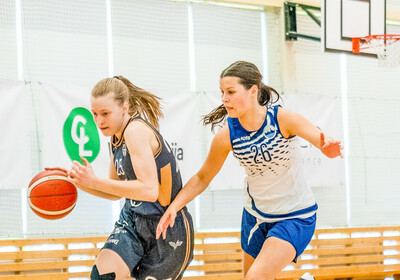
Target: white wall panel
(222,36)
(64,41)
(8,42)
(150,42)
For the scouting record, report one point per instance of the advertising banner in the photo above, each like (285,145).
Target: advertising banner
(69,131)
(15,144)
(326,113)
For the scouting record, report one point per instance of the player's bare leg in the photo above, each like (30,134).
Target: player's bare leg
(247,262)
(108,264)
(274,256)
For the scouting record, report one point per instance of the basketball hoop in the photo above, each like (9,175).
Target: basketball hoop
(386,47)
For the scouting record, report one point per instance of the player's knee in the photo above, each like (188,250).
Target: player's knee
(259,274)
(96,276)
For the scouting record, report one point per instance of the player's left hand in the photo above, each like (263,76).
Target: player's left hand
(167,220)
(330,147)
(82,174)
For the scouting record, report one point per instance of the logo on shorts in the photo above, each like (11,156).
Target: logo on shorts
(135,203)
(114,241)
(118,230)
(123,224)
(175,244)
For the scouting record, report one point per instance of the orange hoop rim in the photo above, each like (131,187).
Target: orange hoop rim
(362,43)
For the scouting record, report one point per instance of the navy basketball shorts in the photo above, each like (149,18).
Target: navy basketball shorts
(297,232)
(134,240)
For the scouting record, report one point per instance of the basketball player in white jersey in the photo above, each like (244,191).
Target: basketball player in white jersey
(279,214)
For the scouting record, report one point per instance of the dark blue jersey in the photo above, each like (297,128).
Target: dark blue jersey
(169,176)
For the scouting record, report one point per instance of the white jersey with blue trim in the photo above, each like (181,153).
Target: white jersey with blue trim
(275,184)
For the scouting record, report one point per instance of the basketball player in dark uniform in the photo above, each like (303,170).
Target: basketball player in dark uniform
(144,171)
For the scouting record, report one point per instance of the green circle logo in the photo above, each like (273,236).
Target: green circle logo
(81,138)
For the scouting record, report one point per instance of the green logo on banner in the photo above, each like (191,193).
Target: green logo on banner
(81,138)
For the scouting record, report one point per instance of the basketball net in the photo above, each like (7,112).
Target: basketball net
(386,47)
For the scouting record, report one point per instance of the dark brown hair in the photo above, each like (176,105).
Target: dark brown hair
(248,75)
(140,101)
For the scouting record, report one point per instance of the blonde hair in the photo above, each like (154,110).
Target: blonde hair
(140,101)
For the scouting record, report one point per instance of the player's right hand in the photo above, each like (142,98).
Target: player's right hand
(167,220)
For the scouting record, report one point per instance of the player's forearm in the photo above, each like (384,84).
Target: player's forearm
(98,193)
(132,189)
(190,191)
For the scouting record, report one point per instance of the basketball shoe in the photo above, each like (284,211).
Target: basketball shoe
(307,276)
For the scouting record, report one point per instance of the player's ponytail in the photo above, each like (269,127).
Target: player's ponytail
(248,75)
(216,116)
(143,102)
(266,95)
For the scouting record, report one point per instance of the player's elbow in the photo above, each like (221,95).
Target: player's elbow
(152,198)
(153,192)
(203,179)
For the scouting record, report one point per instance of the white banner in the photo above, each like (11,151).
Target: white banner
(58,102)
(231,175)
(15,154)
(326,113)
(181,128)
(69,132)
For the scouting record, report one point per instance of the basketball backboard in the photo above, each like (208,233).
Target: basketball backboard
(345,19)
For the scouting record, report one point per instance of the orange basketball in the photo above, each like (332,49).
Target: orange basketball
(51,195)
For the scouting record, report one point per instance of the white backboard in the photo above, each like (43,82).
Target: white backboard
(345,19)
